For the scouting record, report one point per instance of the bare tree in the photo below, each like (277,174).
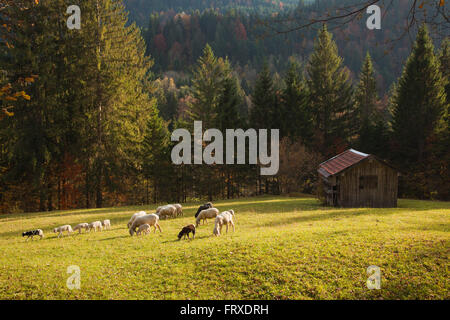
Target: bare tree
(431,12)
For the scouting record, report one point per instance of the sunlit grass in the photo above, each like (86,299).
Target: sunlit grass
(283,248)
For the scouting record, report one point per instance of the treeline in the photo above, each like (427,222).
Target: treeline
(321,113)
(176,40)
(141,9)
(83,124)
(75,138)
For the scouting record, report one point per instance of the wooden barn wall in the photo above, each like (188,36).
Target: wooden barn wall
(385,195)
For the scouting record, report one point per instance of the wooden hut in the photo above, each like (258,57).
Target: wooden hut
(356,179)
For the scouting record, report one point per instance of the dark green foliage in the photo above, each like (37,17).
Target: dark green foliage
(264,114)
(419,101)
(370,121)
(207,87)
(295,112)
(330,93)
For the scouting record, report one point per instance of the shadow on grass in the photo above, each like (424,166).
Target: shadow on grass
(339,214)
(117,237)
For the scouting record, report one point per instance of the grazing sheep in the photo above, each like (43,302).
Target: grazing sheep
(106,224)
(152,219)
(179,209)
(80,226)
(37,232)
(206,214)
(61,229)
(96,225)
(225,218)
(134,216)
(145,228)
(186,230)
(167,211)
(203,207)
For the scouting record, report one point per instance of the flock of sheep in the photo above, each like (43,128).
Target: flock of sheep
(141,222)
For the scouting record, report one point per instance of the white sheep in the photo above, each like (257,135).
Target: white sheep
(134,216)
(167,211)
(106,224)
(179,209)
(225,218)
(151,219)
(80,226)
(206,214)
(96,225)
(144,228)
(61,229)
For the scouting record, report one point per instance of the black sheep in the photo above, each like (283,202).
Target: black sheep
(186,230)
(204,207)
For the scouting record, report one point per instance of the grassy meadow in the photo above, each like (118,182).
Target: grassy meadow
(283,248)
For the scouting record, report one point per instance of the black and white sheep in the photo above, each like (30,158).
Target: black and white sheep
(32,233)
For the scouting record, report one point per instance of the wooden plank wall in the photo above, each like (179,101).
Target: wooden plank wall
(384,196)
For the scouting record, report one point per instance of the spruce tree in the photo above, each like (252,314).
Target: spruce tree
(155,154)
(230,101)
(296,116)
(330,95)
(419,101)
(207,87)
(262,114)
(444,59)
(228,117)
(366,96)
(370,123)
(120,105)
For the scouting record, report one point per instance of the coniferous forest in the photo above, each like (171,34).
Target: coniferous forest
(87,115)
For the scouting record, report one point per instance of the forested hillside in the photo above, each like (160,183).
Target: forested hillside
(87,116)
(141,9)
(175,40)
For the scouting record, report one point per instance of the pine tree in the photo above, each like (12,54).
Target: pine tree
(155,153)
(330,95)
(228,117)
(296,116)
(207,87)
(262,114)
(419,101)
(120,105)
(366,96)
(444,59)
(230,101)
(370,123)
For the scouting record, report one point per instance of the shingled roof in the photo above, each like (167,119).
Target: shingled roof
(341,162)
